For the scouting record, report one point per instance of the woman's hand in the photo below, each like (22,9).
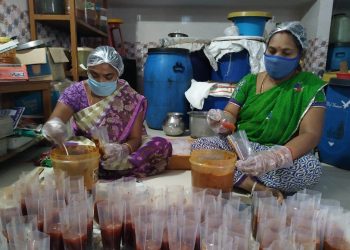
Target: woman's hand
(55,130)
(221,122)
(265,161)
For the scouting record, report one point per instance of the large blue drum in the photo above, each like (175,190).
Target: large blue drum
(167,75)
(334,146)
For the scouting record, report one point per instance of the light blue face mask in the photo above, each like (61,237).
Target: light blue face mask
(279,67)
(102,88)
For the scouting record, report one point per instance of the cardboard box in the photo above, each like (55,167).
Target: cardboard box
(13,72)
(44,63)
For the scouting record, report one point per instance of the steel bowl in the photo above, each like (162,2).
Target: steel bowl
(198,124)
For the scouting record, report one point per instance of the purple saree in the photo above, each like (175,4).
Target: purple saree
(118,113)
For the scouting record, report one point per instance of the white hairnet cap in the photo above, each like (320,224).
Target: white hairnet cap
(106,54)
(295,28)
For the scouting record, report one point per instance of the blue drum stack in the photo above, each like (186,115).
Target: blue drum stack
(167,75)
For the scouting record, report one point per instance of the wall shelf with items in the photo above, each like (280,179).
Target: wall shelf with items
(66,22)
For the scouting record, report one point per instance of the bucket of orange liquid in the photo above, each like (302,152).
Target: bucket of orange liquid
(213,168)
(82,160)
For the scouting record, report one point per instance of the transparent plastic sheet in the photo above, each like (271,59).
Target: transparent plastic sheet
(239,141)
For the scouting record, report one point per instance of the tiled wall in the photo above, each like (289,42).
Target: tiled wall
(316,56)
(14,21)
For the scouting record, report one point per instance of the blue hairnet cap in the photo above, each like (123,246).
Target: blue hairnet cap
(106,54)
(295,28)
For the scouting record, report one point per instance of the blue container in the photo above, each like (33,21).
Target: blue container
(232,67)
(250,25)
(33,102)
(167,75)
(334,146)
(213,102)
(200,65)
(336,54)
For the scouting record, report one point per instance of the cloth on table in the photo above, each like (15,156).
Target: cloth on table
(199,91)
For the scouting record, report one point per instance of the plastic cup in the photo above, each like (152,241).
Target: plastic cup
(110,216)
(52,223)
(100,192)
(213,169)
(20,226)
(8,209)
(149,230)
(74,227)
(34,240)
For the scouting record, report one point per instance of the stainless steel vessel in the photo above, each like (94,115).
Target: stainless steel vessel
(198,124)
(174,124)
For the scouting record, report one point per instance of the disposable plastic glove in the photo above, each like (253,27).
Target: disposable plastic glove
(265,161)
(220,122)
(55,130)
(114,155)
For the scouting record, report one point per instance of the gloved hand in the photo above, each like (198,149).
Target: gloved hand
(114,155)
(221,122)
(265,161)
(55,130)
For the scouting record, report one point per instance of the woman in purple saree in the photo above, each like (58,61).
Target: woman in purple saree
(106,101)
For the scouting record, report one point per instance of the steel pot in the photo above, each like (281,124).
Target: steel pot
(198,124)
(174,124)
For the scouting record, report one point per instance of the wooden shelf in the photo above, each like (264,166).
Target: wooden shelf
(84,27)
(41,17)
(69,23)
(62,23)
(20,149)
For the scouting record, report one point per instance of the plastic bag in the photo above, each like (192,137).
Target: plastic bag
(239,141)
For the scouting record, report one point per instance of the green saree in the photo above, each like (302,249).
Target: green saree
(273,117)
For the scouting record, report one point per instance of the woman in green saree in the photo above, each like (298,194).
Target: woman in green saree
(282,111)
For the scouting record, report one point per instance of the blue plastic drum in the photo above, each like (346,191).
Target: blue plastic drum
(167,75)
(232,67)
(334,146)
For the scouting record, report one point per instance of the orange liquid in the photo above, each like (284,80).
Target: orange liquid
(207,180)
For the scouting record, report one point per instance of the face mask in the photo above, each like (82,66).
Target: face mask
(279,67)
(102,88)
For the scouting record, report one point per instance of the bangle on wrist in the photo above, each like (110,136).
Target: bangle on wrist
(129,147)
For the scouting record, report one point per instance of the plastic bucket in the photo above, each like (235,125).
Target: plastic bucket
(340,27)
(250,23)
(213,168)
(82,161)
(232,67)
(334,146)
(337,53)
(167,75)
(250,26)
